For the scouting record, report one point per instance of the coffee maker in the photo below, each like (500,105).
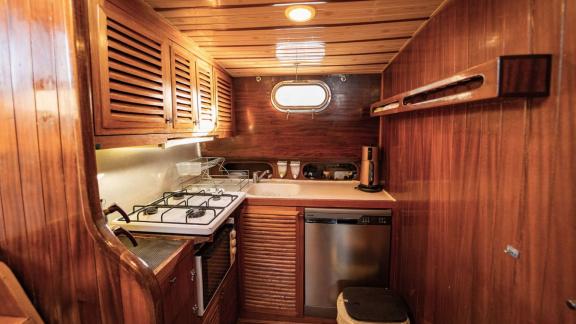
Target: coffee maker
(369,175)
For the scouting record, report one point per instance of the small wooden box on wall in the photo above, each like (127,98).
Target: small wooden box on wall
(502,77)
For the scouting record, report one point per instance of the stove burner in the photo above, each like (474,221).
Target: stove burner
(178,195)
(151,210)
(216,197)
(195,213)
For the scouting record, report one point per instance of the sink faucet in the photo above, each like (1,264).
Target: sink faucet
(258,175)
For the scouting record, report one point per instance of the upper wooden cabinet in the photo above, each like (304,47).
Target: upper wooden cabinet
(148,81)
(207,111)
(224,104)
(134,82)
(183,77)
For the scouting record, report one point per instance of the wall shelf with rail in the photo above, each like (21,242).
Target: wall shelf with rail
(502,77)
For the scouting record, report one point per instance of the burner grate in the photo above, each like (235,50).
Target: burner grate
(184,198)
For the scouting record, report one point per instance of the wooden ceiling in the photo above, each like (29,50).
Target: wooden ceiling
(254,37)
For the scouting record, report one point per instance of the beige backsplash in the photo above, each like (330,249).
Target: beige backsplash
(138,175)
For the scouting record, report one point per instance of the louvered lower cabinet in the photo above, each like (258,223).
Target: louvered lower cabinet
(133,75)
(270,260)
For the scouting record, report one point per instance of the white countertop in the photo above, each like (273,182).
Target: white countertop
(313,190)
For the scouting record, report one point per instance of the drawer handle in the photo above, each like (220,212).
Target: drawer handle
(571,303)
(173,280)
(192,275)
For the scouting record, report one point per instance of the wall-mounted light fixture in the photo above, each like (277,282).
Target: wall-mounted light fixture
(183,141)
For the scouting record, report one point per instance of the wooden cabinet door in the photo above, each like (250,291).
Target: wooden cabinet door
(133,79)
(223,308)
(179,291)
(206,105)
(229,297)
(224,104)
(270,260)
(183,78)
(212,315)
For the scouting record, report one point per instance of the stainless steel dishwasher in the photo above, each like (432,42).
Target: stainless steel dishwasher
(343,247)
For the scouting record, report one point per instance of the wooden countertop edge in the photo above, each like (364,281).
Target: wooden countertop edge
(187,247)
(322,203)
(164,268)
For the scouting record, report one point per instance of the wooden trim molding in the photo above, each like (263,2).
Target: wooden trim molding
(138,285)
(322,203)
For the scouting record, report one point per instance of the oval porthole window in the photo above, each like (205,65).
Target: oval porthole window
(308,96)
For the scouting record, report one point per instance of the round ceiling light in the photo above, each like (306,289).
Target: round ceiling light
(300,13)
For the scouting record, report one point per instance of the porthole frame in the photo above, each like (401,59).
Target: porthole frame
(301,109)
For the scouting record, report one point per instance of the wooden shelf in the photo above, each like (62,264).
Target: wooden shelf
(504,76)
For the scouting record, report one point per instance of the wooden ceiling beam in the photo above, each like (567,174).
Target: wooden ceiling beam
(165,5)
(322,70)
(328,7)
(326,61)
(358,22)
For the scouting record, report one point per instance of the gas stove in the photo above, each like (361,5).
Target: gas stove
(190,211)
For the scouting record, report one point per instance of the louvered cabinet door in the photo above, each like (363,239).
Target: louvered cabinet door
(206,97)
(183,76)
(270,262)
(224,104)
(133,78)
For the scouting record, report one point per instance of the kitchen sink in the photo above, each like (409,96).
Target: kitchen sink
(274,189)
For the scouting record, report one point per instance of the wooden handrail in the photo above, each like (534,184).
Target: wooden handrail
(504,76)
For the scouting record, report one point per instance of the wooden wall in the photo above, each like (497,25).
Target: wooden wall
(336,134)
(52,232)
(473,178)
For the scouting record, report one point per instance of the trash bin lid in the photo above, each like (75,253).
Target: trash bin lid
(371,304)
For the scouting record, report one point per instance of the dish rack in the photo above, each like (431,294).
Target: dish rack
(196,175)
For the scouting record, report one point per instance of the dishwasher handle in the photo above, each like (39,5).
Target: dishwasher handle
(321,220)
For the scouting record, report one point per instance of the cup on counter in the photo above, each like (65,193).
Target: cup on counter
(295,169)
(282,168)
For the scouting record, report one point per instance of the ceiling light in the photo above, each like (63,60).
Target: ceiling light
(300,13)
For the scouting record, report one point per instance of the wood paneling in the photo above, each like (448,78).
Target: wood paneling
(335,134)
(352,36)
(473,178)
(270,266)
(53,233)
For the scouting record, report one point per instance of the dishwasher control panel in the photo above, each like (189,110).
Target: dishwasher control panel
(375,220)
